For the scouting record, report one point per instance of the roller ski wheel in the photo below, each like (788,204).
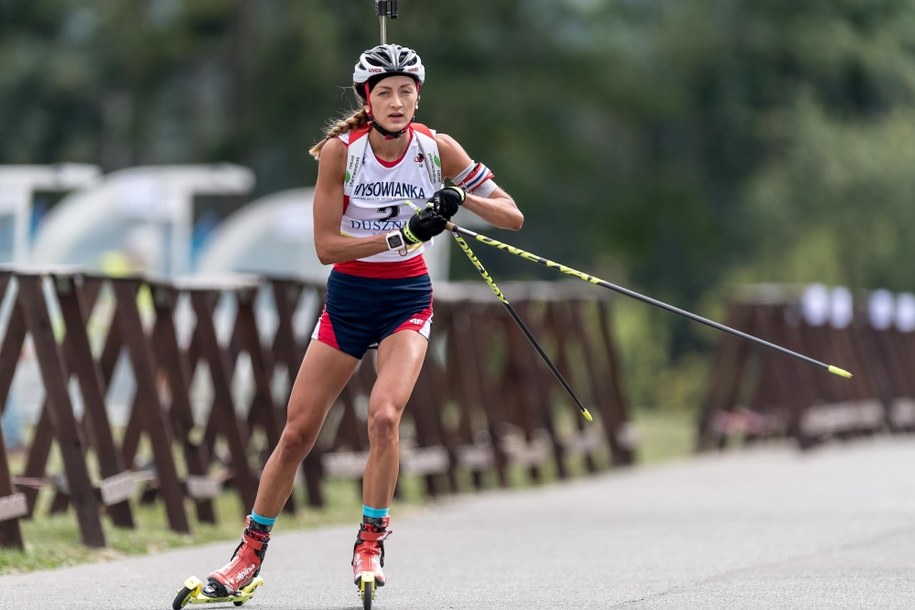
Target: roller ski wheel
(368,590)
(192,593)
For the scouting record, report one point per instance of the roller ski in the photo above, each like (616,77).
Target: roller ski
(236,581)
(368,559)
(192,593)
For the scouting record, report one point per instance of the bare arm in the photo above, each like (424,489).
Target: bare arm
(330,245)
(499,209)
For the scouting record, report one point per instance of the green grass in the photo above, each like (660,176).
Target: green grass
(53,541)
(663,435)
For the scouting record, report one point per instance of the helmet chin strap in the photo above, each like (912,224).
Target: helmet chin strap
(389,135)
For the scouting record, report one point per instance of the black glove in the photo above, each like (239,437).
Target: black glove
(446,201)
(423,227)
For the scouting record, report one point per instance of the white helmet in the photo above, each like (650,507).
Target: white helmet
(386,60)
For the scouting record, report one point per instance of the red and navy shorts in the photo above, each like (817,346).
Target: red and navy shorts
(360,312)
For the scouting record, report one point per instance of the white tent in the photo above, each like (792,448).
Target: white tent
(144,214)
(18,185)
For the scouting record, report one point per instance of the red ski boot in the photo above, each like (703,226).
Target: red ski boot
(244,566)
(368,552)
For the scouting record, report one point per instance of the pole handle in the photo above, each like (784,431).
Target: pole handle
(386,8)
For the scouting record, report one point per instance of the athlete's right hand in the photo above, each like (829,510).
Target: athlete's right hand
(423,227)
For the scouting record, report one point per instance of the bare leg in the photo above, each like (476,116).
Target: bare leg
(400,359)
(321,377)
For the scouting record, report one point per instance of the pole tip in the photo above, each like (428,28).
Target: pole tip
(587,414)
(840,372)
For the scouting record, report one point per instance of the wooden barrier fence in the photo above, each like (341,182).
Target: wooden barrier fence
(209,367)
(755,393)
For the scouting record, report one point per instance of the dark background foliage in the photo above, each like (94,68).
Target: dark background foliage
(680,147)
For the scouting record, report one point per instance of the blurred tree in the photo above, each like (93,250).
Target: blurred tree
(669,145)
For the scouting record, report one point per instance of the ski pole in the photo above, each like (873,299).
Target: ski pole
(458,230)
(385,9)
(511,311)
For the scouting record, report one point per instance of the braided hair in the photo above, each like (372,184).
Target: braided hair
(355,120)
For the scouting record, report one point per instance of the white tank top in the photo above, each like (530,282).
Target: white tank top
(375,197)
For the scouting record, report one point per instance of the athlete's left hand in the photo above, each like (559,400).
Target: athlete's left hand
(446,201)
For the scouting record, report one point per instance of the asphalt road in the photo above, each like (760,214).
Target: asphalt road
(764,528)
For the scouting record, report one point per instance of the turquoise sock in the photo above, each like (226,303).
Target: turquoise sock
(374,513)
(266,522)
